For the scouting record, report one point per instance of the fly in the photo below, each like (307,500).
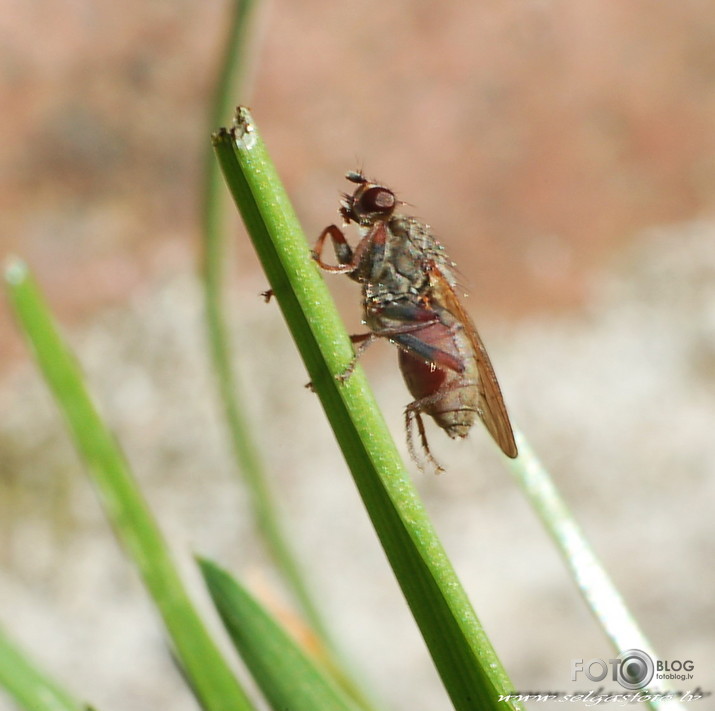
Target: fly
(409,297)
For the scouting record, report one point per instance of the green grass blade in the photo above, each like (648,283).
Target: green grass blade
(288,678)
(31,688)
(208,673)
(459,647)
(230,82)
(591,578)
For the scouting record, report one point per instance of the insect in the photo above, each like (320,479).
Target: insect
(408,293)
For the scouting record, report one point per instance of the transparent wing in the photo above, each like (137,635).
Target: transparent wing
(492,409)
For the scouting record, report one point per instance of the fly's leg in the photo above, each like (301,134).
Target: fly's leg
(414,411)
(415,332)
(414,414)
(397,334)
(343,251)
(349,260)
(365,340)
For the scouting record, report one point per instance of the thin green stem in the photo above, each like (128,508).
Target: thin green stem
(250,465)
(459,647)
(210,677)
(29,686)
(592,580)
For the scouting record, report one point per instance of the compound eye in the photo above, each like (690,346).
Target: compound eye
(377,200)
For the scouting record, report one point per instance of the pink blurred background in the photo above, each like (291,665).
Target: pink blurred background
(536,137)
(564,153)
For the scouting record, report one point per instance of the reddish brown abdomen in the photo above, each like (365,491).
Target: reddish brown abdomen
(448,396)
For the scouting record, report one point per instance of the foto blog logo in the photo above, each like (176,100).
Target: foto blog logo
(632,669)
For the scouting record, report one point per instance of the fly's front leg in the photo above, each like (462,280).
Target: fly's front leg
(343,251)
(370,250)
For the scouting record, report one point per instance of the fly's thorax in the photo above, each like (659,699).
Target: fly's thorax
(391,266)
(390,285)
(403,260)
(421,236)
(423,243)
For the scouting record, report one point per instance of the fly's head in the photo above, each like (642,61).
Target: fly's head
(369,203)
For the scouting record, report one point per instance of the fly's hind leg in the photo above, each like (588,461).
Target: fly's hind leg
(413,413)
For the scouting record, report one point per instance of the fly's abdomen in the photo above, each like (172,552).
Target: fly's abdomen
(446,394)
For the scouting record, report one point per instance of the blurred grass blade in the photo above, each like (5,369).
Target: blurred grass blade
(288,678)
(459,647)
(593,581)
(230,83)
(27,685)
(208,673)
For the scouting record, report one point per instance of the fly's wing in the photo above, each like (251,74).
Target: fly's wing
(491,403)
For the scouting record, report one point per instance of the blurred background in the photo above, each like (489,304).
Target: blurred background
(564,154)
